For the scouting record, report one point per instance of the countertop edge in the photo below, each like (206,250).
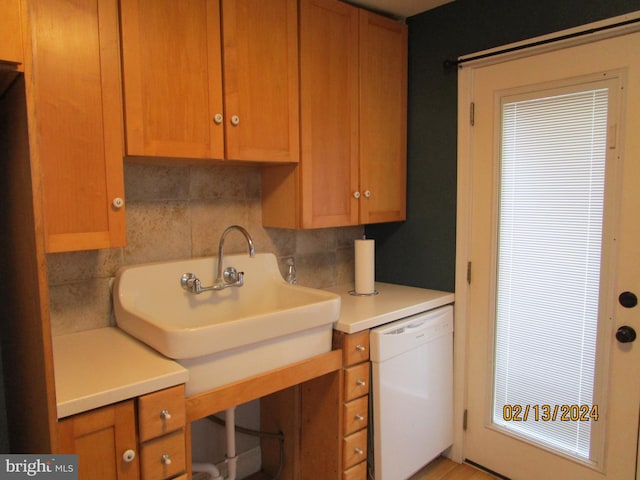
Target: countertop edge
(393,302)
(92,370)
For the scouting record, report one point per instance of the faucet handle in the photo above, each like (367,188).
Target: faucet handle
(188,281)
(232,276)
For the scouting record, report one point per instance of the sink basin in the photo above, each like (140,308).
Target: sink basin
(226,335)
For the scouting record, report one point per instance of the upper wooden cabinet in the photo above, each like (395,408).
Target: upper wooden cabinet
(383,119)
(10,32)
(75,106)
(353,123)
(172,77)
(178,55)
(329,110)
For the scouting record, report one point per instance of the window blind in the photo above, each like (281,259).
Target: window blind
(548,269)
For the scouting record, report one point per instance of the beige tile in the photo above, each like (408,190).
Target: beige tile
(154,182)
(80,306)
(74,266)
(345,236)
(176,212)
(345,266)
(316,270)
(157,231)
(210,218)
(224,181)
(315,241)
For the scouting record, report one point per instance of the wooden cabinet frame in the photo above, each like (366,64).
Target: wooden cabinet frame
(218,81)
(353,123)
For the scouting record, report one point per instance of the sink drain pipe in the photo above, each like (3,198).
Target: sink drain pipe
(209,468)
(230,428)
(229,423)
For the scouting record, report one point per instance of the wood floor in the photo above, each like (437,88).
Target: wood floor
(440,469)
(444,469)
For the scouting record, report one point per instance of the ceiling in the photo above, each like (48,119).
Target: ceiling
(400,8)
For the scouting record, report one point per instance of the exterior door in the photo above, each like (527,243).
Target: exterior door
(515,437)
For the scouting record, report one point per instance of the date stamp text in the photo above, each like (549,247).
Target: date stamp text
(550,413)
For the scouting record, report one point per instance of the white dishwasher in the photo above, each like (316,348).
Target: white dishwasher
(412,384)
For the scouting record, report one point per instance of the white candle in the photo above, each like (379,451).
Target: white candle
(365,266)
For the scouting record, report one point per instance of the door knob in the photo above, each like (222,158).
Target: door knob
(625,334)
(628,299)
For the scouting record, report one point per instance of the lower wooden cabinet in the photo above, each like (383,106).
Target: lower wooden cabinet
(105,441)
(359,472)
(141,438)
(163,457)
(161,426)
(355,403)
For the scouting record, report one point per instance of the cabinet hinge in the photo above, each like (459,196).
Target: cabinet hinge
(469,273)
(472,114)
(464,420)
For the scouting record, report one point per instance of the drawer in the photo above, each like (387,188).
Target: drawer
(354,449)
(359,472)
(356,381)
(164,457)
(161,412)
(356,348)
(355,414)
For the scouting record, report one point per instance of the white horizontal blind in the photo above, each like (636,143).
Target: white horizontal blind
(549,243)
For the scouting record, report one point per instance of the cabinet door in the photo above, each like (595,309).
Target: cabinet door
(329,113)
(100,438)
(76,100)
(10,31)
(261,80)
(383,119)
(172,78)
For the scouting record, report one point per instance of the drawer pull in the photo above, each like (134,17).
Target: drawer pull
(358,451)
(361,383)
(359,417)
(360,348)
(129,455)
(165,415)
(166,459)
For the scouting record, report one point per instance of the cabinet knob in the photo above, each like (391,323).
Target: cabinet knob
(360,382)
(117,203)
(359,417)
(360,348)
(217,118)
(356,195)
(165,415)
(166,459)
(129,455)
(367,194)
(358,451)
(235,120)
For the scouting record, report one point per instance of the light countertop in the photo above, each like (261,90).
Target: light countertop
(393,302)
(103,366)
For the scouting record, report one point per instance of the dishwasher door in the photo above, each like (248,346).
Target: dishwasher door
(412,382)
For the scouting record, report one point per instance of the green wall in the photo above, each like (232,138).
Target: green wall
(421,251)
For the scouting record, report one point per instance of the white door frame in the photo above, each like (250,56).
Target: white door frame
(464,197)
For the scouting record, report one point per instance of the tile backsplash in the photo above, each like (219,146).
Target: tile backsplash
(176,212)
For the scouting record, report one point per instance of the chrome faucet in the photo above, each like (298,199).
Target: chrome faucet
(230,277)
(220,280)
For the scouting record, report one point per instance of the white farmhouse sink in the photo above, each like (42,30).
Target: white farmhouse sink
(226,335)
